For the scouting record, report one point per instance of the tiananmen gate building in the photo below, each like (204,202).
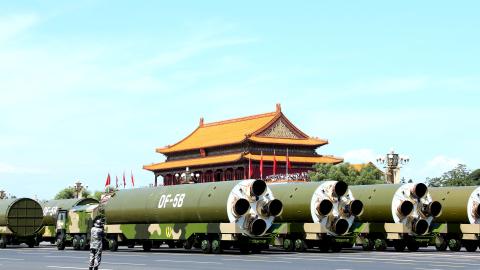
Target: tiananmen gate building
(230,149)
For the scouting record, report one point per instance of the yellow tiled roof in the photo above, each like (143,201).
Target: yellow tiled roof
(308,141)
(313,160)
(194,162)
(360,166)
(220,133)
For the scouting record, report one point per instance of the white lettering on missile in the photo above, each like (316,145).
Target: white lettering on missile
(165,200)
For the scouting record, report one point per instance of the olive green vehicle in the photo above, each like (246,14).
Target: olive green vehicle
(315,214)
(395,215)
(20,220)
(68,222)
(459,224)
(211,216)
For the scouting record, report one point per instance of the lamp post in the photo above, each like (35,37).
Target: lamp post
(391,163)
(78,188)
(187,176)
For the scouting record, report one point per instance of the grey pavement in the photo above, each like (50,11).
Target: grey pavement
(49,258)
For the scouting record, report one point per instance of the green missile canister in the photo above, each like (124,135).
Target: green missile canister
(248,203)
(51,208)
(409,204)
(460,204)
(328,202)
(23,217)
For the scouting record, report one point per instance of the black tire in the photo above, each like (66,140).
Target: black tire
(367,244)
(31,243)
(440,243)
(112,244)
(83,243)
(3,242)
(288,245)
(413,245)
(217,246)
(187,245)
(399,245)
(244,248)
(256,249)
(60,242)
(336,247)
(454,244)
(206,246)
(324,246)
(76,242)
(470,245)
(380,244)
(147,245)
(300,245)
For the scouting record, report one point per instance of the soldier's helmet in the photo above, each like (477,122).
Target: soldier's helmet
(98,223)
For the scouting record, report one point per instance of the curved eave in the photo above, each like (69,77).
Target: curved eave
(297,159)
(289,141)
(194,162)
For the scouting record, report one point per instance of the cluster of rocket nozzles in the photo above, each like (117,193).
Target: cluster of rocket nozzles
(426,209)
(338,208)
(264,208)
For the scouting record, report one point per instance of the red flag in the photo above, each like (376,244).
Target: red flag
(250,169)
(289,166)
(133,181)
(107,183)
(261,165)
(274,163)
(124,182)
(116,181)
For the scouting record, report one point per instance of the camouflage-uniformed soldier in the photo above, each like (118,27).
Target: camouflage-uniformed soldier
(96,237)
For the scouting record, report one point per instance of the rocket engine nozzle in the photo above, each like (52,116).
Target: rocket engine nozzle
(272,208)
(341,226)
(258,188)
(257,226)
(419,190)
(324,207)
(356,207)
(241,207)
(420,226)
(405,208)
(340,188)
(433,209)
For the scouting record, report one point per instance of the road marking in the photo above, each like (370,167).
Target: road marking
(71,267)
(457,266)
(120,263)
(181,261)
(12,259)
(65,256)
(256,260)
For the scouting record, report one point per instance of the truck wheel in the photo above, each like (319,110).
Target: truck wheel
(31,243)
(335,247)
(76,242)
(256,249)
(244,248)
(288,245)
(367,244)
(112,244)
(83,242)
(3,242)
(217,246)
(60,242)
(324,246)
(413,245)
(300,245)
(147,245)
(454,244)
(206,246)
(470,245)
(440,243)
(399,245)
(380,244)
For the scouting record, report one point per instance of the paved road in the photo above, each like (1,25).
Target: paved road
(48,258)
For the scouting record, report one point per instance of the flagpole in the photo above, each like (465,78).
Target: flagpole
(261,165)
(249,167)
(286,163)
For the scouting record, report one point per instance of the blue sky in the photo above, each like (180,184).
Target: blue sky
(93,87)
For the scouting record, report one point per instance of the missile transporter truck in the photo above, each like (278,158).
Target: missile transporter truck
(211,216)
(459,224)
(68,222)
(20,220)
(397,215)
(315,214)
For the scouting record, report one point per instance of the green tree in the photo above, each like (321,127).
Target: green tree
(475,177)
(69,193)
(458,176)
(97,195)
(345,172)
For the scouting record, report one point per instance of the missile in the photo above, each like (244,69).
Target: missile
(460,204)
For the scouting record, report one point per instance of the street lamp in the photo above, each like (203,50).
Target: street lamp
(187,176)
(78,188)
(392,162)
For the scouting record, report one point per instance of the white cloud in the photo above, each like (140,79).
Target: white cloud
(360,156)
(6,168)
(12,25)
(440,164)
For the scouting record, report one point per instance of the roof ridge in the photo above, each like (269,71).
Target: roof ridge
(245,118)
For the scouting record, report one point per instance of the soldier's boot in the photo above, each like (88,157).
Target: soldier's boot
(90,268)
(95,268)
